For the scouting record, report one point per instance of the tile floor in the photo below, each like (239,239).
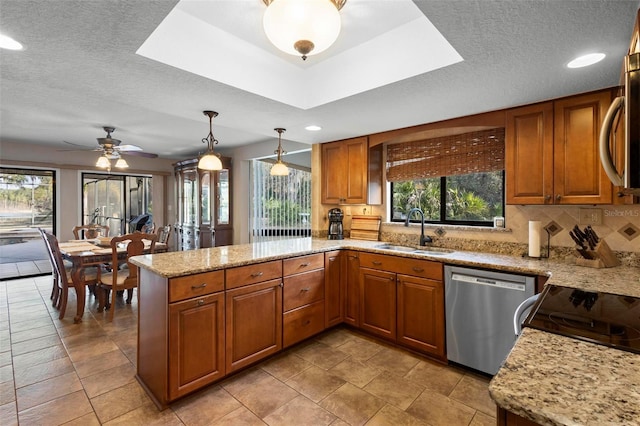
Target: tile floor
(55,372)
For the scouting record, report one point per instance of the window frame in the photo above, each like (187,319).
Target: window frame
(443,208)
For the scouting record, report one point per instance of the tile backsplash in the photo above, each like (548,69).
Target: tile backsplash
(620,228)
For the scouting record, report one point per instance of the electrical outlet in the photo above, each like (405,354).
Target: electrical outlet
(590,217)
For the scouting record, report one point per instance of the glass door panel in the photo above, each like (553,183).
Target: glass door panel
(223,197)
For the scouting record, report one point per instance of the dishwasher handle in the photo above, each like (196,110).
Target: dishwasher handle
(521,310)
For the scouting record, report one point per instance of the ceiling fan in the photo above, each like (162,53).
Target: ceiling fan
(113,148)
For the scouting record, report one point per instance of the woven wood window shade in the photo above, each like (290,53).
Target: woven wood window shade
(473,152)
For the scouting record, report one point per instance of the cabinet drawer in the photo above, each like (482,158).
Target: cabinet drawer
(402,265)
(196,285)
(302,323)
(302,289)
(299,264)
(250,274)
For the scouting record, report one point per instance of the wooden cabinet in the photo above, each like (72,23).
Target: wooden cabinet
(334,267)
(378,302)
(350,174)
(551,154)
(181,345)
(303,298)
(352,288)
(253,313)
(196,343)
(508,418)
(420,314)
(204,205)
(403,300)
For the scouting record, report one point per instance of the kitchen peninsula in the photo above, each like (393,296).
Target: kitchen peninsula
(547,378)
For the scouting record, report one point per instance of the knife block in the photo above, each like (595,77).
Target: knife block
(602,255)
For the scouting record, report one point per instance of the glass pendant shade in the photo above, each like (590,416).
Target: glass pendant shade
(103,162)
(121,163)
(210,162)
(279,169)
(291,24)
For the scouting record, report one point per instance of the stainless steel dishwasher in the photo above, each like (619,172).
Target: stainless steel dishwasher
(479,308)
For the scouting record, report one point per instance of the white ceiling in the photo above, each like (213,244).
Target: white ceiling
(80,70)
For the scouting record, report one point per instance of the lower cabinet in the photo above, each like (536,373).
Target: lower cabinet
(253,323)
(334,287)
(402,300)
(351,273)
(303,298)
(196,343)
(378,302)
(508,418)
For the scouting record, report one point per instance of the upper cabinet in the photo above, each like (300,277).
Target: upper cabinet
(351,174)
(551,154)
(204,205)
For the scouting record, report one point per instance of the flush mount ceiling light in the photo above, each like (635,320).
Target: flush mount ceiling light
(210,161)
(302,27)
(279,168)
(586,60)
(313,128)
(7,42)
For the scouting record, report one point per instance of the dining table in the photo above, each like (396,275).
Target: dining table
(89,253)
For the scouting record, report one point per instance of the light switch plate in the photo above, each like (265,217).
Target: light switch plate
(590,217)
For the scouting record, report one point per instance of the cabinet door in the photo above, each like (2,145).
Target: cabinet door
(579,177)
(344,171)
(421,314)
(333,173)
(378,302)
(253,323)
(352,289)
(196,343)
(334,288)
(529,154)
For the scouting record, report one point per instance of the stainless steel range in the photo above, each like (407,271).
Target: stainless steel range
(604,318)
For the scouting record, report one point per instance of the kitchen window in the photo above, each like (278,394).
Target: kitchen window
(453,180)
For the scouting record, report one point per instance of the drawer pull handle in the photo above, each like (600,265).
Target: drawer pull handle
(305,289)
(195,287)
(200,302)
(307,322)
(353,257)
(416,269)
(256,274)
(305,264)
(376,263)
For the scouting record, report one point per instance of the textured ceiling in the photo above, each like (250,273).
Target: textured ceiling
(80,71)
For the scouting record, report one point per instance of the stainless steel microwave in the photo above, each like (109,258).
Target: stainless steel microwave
(626,107)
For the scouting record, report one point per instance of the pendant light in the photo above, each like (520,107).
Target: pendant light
(210,161)
(302,27)
(103,162)
(279,168)
(121,163)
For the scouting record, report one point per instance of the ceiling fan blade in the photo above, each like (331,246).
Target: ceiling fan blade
(139,154)
(128,147)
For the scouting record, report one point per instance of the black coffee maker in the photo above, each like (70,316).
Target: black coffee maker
(335,224)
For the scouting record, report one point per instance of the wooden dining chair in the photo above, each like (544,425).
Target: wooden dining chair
(164,232)
(90,232)
(62,274)
(126,277)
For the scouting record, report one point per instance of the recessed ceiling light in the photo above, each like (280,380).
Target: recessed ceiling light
(313,128)
(586,60)
(7,42)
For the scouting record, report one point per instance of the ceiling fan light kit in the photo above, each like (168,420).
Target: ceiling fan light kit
(302,27)
(210,161)
(279,168)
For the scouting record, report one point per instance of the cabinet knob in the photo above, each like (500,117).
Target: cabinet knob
(200,302)
(256,274)
(547,197)
(195,287)
(558,197)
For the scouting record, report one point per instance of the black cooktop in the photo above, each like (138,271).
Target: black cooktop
(607,319)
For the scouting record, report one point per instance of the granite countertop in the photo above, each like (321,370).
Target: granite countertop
(547,378)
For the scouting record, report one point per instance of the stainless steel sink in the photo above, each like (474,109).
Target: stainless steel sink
(427,251)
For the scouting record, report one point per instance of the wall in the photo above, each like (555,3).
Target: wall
(69,166)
